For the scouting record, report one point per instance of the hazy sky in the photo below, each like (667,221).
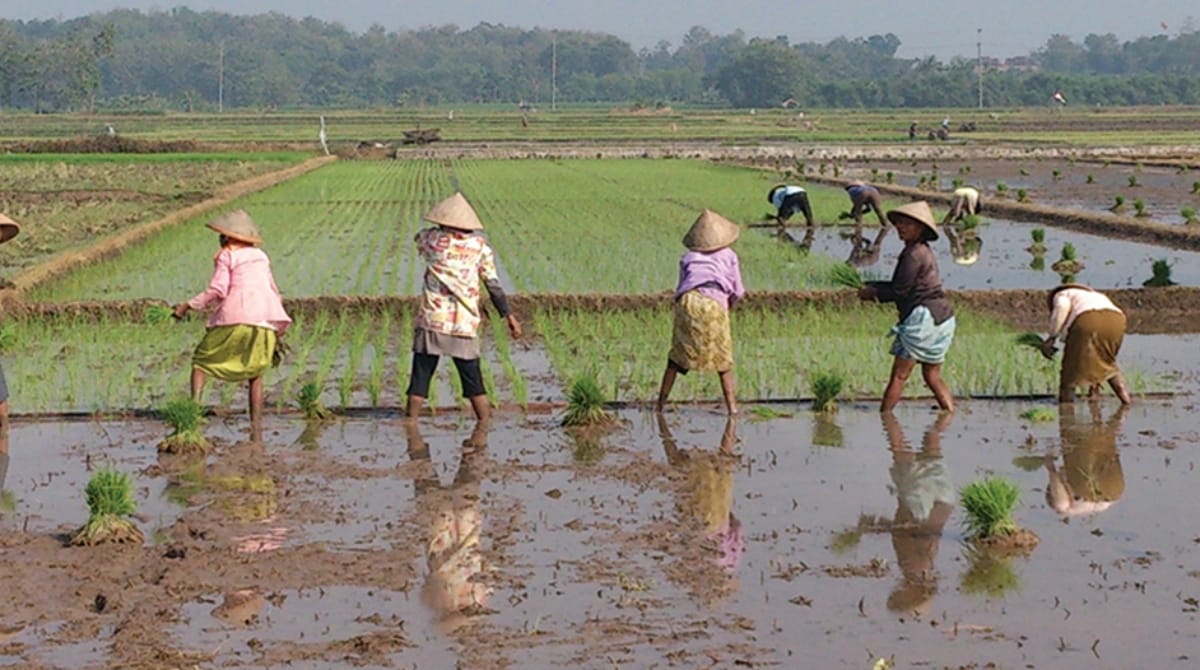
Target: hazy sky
(942,29)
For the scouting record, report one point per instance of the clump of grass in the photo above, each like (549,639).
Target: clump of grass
(309,399)
(989,504)
(1189,215)
(1160,274)
(1030,339)
(585,406)
(844,274)
(1022,195)
(110,501)
(1039,241)
(1139,207)
(826,386)
(186,417)
(1038,414)
(158,314)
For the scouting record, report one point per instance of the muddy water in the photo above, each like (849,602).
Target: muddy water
(1004,262)
(691,542)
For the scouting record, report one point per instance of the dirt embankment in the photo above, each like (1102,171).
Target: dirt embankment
(1149,310)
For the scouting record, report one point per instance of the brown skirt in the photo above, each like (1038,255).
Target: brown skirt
(701,338)
(1090,355)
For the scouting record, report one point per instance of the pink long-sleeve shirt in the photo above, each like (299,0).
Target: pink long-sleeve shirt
(243,289)
(1069,303)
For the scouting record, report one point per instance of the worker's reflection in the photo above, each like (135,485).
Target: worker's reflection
(1091,478)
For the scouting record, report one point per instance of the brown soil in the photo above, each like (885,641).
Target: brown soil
(80,197)
(101,144)
(1020,543)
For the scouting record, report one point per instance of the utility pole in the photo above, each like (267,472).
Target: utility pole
(554,72)
(220,77)
(979,61)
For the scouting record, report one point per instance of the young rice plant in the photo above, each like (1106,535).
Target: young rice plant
(826,386)
(989,504)
(185,416)
(586,404)
(110,501)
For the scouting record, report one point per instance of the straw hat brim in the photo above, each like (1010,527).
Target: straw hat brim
(711,232)
(917,212)
(455,212)
(234,235)
(236,225)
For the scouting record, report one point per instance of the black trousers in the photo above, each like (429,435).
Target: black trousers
(424,365)
(796,202)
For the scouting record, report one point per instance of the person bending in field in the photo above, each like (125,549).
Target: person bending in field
(8,230)
(1093,329)
(865,198)
(710,281)
(456,258)
(243,330)
(787,200)
(926,325)
(965,203)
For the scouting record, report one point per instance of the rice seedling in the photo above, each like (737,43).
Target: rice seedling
(971,222)
(1024,172)
(846,541)
(837,171)
(844,274)
(890,177)
(1001,189)
(989,504)
(1056,174)
(1022,195)
(1139,207)
(1182,169)
(158,314)
(8,337)
(1160,274)
(585,406)
(1133,181)
(874,174)
(309,399)
(1038,415)
(1067,265)
(1118,204)
(826,386)
(1196,188)
(957,183)
(186,417)
(1039,241)
(1189,215)
(110,501)
(1029,339)
(1091,179)
(766,413)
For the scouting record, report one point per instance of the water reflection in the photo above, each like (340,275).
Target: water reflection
(7,499)
(864,253)
(1090,479)
(453,587)
(826,432)
(924,501)
(965,244)
(712,539)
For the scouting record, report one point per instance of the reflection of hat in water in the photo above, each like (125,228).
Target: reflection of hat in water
(455,212)
(710,232)
(8,228)
(918,212)
(237,225)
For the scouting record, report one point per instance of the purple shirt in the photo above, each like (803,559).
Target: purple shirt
(715,274)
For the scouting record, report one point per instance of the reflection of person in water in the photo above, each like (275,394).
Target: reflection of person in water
(924,500)
(864,253)
(706,514)
(452,587)
(1091,478)
(3,457)
(964,245)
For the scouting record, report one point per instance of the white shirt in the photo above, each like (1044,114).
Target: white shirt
(780,194)
(1069,303)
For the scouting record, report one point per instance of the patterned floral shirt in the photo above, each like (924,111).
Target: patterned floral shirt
(455,262)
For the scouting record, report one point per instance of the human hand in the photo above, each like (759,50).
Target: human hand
(514,326)
(868,293)
(181,310)
(1048,349)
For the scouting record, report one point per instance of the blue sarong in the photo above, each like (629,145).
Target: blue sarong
(919,339)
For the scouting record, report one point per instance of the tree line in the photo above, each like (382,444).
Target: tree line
(187,60)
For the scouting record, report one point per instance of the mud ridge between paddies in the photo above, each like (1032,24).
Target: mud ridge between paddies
(71,260)
(1148,310)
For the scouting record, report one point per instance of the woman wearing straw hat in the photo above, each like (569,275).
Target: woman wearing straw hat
(8,230)
(710,282)
(456,259)
(926,325)
(243,330)
(1093,329)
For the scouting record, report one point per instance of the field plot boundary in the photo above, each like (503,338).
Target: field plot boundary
(1148,310)
(71,260)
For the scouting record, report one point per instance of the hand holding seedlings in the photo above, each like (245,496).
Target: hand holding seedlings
(1048,348)
(868,292)
(181,310)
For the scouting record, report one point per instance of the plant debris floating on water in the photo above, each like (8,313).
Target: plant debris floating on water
(1039,414)
(109,500)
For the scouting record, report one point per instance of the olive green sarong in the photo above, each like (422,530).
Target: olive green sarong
(235,353)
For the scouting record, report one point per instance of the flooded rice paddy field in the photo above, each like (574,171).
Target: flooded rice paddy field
(680,541)
(1005,263)
(1164,190)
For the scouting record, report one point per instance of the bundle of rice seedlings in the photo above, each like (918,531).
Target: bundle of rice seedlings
(1030,339)
(1118,204)
(844,274)
(989,504)
(311,406)
(1067,265)
(1139,207)
(185,416)
(110,501)
(1039,241)
(970,222)
(585,406)
(158,314)
(1189,215)
(1160,274)
(826,386)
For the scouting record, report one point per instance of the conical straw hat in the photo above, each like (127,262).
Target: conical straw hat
(8,228)
(455,212)
(710,232)
(237,225)
(915,211)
